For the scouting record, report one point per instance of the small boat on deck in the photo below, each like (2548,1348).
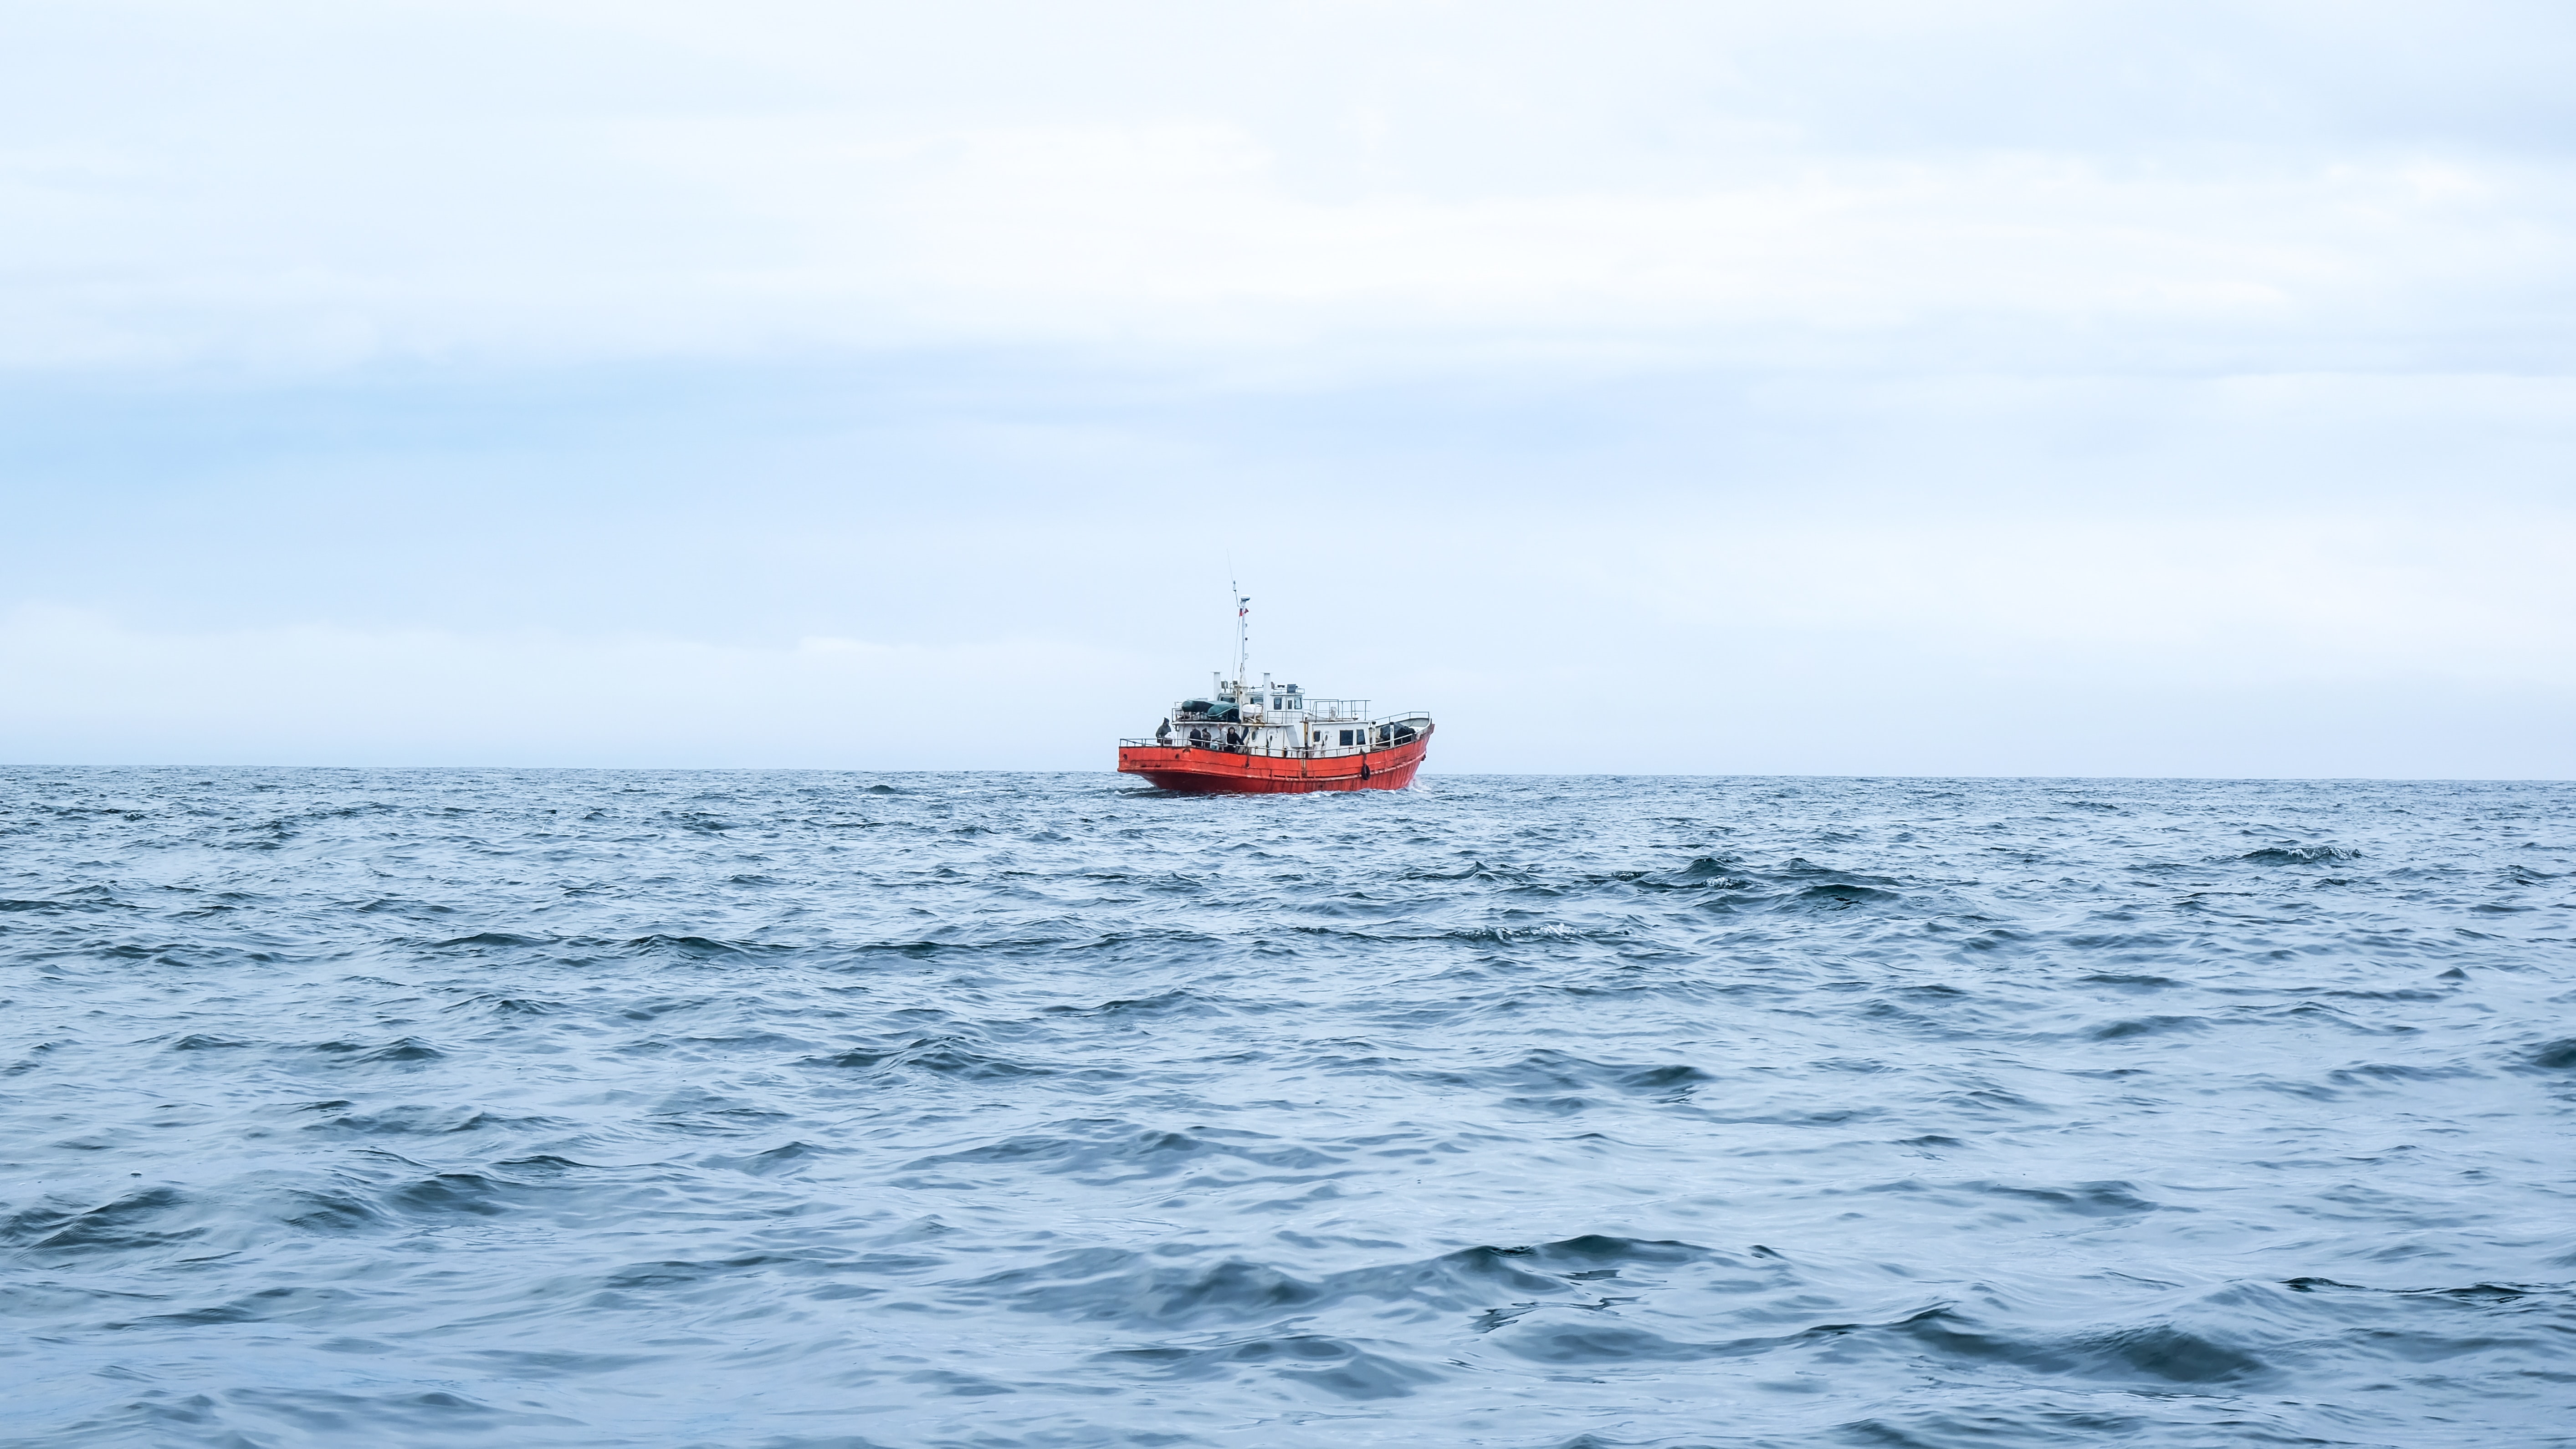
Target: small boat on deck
(1271,739)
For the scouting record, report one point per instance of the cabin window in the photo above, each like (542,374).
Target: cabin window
(1346,737)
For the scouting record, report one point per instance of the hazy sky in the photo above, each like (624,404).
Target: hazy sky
(1989,388)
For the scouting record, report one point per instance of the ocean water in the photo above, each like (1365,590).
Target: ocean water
(802,1109)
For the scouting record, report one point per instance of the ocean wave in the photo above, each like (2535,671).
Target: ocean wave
(2555,1056)
(1308,1362)
(2298,854)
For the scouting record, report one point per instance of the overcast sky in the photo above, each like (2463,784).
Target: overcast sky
(1974,388)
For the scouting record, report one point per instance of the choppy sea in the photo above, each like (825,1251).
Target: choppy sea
(537,1108)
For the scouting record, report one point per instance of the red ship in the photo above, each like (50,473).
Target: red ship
(1269,739)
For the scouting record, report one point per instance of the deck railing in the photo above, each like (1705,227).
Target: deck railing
(1337,711)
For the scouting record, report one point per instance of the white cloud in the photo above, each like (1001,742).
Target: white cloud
(1690,639)
(84,688)
(2283,599)
(1359,179)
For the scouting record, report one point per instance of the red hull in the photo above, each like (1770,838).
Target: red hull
(1204,771)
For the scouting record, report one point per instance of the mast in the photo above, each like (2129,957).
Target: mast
(1242,634)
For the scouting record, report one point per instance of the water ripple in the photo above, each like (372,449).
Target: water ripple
(634,1108)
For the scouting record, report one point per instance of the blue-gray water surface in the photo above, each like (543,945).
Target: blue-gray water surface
(539,1108)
